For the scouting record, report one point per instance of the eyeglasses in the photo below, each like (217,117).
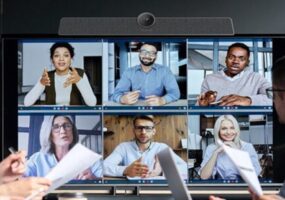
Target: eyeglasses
(146,128)
(66,126)
(239,58)
(148,53)
(270,91)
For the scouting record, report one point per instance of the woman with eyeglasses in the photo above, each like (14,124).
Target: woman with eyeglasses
(57,136)
(216,164)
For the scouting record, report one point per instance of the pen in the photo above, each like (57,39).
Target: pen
(216,102)
(13,151)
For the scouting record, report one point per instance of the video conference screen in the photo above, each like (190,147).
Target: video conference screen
(128,98)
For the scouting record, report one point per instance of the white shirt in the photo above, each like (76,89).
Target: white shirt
(62,93)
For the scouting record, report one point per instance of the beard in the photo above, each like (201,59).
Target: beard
(147,63)
(142,142)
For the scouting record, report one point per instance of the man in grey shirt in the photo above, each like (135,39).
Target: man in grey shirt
(237,85)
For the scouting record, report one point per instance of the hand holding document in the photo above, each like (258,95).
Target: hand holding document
(78,159)
(244,165)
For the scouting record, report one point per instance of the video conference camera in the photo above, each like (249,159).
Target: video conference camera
(146,19)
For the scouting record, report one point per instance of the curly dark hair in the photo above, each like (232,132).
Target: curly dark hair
(240,45)
(61,44)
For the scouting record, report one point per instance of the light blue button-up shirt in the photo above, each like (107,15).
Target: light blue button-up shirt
(224,166)
(158,81)
(128,152)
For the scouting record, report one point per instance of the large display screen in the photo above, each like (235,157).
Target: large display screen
(129,98)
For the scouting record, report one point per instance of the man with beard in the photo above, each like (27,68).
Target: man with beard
(236,85)
(148,81)
(137,158)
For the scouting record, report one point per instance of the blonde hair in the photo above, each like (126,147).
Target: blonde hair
(218,124)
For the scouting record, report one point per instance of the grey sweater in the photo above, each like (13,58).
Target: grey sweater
(248,83)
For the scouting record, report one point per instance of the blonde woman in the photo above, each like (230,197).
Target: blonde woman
(216,164)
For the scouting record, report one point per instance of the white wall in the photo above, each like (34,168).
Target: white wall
(23,137)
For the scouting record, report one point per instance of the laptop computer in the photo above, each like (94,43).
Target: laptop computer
(175,182)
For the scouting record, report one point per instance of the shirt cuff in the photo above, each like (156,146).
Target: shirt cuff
(260,100)
(167,99)
(120,170)
(117,98)
(80,84)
